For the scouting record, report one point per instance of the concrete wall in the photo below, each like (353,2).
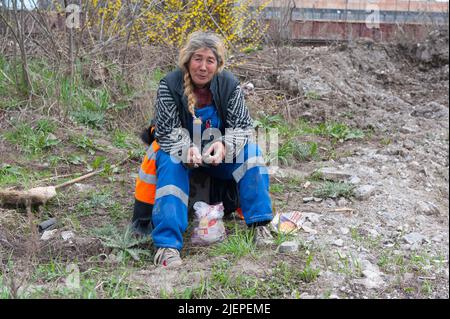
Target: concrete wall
(391,5)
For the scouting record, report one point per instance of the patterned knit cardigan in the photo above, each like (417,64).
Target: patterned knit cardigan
(172,138)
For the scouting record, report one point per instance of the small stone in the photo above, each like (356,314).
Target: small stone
(345,230)
(409,145)
(307,228)
(373,233)
(49,234)
(354,180)
(407,130)
(414,238)
(288,247)
(403,228)
(437,238)
(313,217)
(264,242)
(66,235)
(372,274)
(332,174)
(389,244)
(330,203)
(289,173)
(427,208)
(307,224)
(339,243)
(317,199)
(342,202)
(308,199)
(364,192)
(83,187)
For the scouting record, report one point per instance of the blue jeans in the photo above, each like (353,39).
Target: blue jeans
(170,211)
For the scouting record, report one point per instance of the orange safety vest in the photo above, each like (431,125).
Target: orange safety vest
(146,181)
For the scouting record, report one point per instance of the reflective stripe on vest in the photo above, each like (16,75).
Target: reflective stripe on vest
(248,164)
(172,190)
(146,180)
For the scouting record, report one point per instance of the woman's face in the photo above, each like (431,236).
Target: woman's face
(202,67)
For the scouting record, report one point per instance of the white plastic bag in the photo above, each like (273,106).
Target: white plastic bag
(210,227)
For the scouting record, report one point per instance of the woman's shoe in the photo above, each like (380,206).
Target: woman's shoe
(168,258)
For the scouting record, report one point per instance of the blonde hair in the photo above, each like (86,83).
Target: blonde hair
(199,40)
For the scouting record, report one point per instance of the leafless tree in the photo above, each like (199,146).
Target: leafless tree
(13,17)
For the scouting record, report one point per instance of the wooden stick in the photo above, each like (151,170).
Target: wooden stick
(54,177)
(40,195)
(78,179)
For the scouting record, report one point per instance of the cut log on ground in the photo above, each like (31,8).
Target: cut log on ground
(40,195)
(34,196)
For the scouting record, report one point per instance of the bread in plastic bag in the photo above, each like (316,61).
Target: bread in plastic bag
(209,224)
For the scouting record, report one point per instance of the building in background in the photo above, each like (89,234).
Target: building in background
(350,19)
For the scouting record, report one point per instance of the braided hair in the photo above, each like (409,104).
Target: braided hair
(199,40)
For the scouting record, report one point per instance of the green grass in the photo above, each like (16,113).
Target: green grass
(117,286)
(334,190)
(386,141)
(281,237)
(221,273)
(85,143)
(309,274)
(125,244)
(306,151)
(368,242)
(86,104)
(34,140)
(93,119)
(94,202)
(10,96)
(427,287)
(348,265)
(120,139)
(337,132)
(49,272)
(284,280)
(315,176)
(293,150)
(11,175)
(4,290)
(251,49)
(156,76)
(290,149)
(312,95)
(93,283)
(238,244)
(276,188)
(119,212)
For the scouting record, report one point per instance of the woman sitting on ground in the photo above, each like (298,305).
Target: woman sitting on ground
(198,99)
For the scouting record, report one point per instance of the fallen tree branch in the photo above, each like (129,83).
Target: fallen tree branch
(41,195)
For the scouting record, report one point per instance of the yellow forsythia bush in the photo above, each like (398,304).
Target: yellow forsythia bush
(170,22)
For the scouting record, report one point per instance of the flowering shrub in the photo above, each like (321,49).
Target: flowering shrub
(170,22)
